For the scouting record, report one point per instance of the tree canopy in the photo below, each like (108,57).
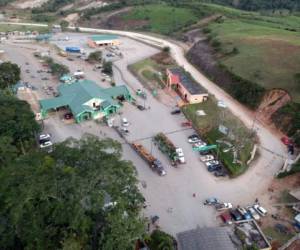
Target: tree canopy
(9,74)
(17,126)
(82,196)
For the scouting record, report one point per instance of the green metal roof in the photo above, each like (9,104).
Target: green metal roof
(75,96)
(103,37)
(117,91)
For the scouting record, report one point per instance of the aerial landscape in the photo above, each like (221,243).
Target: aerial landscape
(150,124)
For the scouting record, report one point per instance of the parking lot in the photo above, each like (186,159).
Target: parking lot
(176,198)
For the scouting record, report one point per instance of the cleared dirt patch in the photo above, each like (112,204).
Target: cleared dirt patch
(29,4)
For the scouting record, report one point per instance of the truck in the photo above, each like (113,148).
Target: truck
(154,164)
(73,49)
(175,154)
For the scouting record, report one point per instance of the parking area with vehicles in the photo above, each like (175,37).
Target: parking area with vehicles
(176,197)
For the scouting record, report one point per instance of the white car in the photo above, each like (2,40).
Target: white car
(260,210)
(46,144)
(125,122)
(212,163)
(180,155)
(206,158)
(223,206)
(199,144)
(253,213)
(194,139)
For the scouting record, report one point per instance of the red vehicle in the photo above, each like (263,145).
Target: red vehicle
(186,124)
(45,65)
(286,141)
(226,218)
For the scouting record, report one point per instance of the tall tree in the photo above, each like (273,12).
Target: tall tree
(82,196)
(17,122)
(9,74)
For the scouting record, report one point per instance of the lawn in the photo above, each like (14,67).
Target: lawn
(162,18)
(151,73)
(268,52)
(239,136)
(10,27)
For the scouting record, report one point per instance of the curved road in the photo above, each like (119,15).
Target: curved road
(272,151)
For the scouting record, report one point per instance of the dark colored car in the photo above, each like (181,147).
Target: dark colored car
(214,168)
(141,107)
(236,215)
(220,173)
(68,116)
(176,112)
(207,152)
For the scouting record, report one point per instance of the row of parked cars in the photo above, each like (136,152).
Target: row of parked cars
(255,211)
(213,165)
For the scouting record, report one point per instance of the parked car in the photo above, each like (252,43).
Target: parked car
(260,210)
(125,122)
(212,163)
(223,206)
(253,213)
(27,71)
(235,215)
(193,138)
(246,215)
(141,107)
(199,144)
(45,78)
(46,144)
(68,116)
(206,158)
(214,168)
(206,152)
(220,173)
(211,201)
(176,112)
(44,138)
(226,217)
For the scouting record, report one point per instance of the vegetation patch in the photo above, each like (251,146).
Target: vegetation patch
(164,19)
(23,28)
(238,137)
(152,71)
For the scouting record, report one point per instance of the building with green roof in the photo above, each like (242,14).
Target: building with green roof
(86,100)
(103,40)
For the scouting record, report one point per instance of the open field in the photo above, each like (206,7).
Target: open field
(9,28)
(239,136)
(162,18)
(266,49)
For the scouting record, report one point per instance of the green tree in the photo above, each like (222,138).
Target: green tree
(17,124)
(107,67)
(56,68)
(82,196)
(160,240)
(64,25)
(9,74)
(95,56)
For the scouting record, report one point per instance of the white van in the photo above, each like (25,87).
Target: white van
(260,210)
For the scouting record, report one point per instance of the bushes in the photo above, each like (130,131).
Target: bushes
(160,240)
(56,68)
(287,119)
(43,18)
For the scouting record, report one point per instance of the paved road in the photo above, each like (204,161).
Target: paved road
(175,190)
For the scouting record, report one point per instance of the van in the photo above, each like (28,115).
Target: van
(260,210)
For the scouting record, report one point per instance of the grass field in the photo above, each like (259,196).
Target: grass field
(268,48)
(150,73)
(239,136)
(161,18)
(9,27)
